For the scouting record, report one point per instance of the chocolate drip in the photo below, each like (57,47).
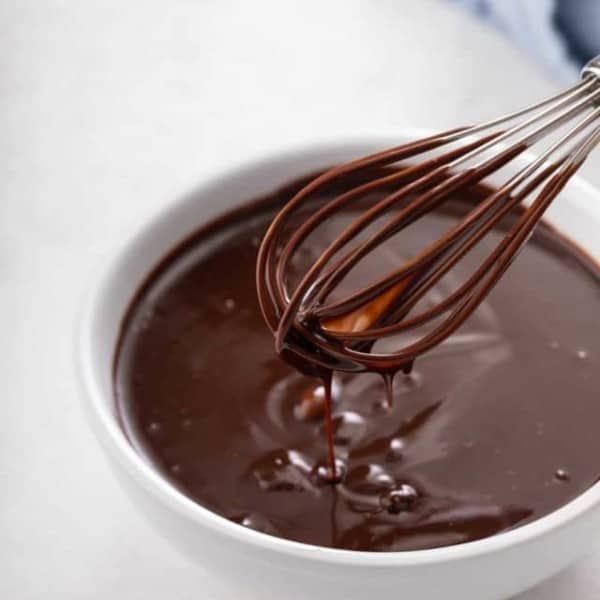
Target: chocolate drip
(316,334)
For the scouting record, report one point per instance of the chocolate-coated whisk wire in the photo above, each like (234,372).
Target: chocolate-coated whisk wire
(340,334)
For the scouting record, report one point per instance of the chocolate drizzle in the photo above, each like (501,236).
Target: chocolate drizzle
(318,335)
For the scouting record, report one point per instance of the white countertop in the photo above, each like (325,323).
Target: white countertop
(109,110)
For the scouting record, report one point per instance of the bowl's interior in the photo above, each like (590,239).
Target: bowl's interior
(576,213)
(135,260)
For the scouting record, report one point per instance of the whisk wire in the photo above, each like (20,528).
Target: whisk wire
(341,333)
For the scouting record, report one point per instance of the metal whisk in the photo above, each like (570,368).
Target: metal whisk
(320,334)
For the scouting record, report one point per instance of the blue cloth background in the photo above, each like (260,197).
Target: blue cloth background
(561,34)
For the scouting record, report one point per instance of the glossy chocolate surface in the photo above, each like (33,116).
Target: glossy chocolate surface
(494,428)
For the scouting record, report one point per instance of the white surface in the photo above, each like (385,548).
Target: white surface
(108,110)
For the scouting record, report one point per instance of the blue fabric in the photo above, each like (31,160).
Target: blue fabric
(561,34)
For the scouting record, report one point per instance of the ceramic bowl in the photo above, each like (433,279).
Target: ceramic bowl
(260,567)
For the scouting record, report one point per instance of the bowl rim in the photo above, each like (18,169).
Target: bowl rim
(115,441)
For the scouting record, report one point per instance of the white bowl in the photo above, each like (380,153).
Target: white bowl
(258,566)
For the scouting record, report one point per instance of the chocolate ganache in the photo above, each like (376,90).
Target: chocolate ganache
(495,427)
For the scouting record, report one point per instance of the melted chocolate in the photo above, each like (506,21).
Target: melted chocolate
(494,428)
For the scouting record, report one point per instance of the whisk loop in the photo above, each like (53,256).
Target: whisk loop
(320,333)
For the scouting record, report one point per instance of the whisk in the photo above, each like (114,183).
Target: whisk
(319,334)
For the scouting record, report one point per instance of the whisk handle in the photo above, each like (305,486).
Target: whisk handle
(592,68)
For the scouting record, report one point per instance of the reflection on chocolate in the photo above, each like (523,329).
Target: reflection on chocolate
(493,429)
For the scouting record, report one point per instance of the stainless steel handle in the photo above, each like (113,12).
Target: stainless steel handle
(592,68)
